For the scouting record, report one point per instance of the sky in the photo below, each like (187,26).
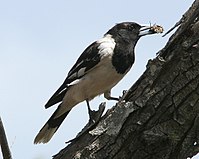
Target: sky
(39,43)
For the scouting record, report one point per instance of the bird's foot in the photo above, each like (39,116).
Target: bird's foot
(121,98)
(124,92)
(95,117)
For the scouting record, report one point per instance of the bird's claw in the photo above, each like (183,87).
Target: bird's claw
(95,117)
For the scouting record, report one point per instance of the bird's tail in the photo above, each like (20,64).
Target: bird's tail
(51,126)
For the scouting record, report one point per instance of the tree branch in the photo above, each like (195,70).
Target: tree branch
(3,142)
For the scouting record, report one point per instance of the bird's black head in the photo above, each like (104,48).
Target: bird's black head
(131,32)
(127,31)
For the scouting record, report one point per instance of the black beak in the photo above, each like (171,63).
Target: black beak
(147,30)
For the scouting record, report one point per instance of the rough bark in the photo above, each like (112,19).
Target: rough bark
(160,116)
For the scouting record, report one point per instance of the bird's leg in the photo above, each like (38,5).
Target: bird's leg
(90,112)
(107,95)
(95,117)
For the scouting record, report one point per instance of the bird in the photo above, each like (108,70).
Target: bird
(97,70)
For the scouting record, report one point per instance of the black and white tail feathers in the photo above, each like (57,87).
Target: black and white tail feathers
(51,126)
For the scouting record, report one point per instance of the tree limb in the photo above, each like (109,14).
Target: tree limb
(3,142)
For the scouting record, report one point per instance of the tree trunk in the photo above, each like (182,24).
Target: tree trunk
(160,116)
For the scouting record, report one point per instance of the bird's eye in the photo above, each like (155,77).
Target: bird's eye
(130,28)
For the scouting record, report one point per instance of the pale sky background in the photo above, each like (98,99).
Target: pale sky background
(40,40)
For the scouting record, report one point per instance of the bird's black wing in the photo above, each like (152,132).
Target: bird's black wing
(87,60)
